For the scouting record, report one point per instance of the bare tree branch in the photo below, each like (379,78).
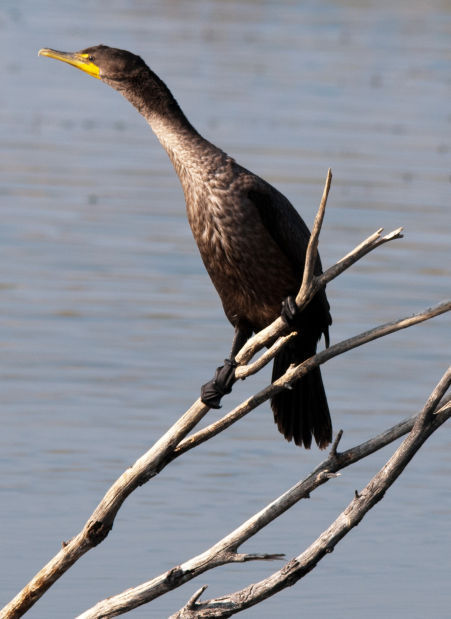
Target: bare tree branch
(424,425)
(296,372)
(310,288)
(225,551)
(312,249)
(101,521)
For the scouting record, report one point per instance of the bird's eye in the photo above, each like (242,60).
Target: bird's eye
(91,58)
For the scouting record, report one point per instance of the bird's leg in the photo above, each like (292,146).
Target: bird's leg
(222,382)
(212,392)
(290,311)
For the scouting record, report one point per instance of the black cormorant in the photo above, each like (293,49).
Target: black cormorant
(251,239)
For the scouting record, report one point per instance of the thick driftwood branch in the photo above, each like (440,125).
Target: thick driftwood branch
(225,551)
(424,425)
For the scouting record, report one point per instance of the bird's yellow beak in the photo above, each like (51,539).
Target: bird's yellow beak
(81,61)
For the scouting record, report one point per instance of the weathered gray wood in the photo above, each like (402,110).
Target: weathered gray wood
(296,372)
(423,425)
(101,520)
(226,550)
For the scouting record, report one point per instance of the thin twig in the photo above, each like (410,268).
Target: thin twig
(333,449)
(296,372)
(279,327)
(312,248)
(372,242)
(243,371)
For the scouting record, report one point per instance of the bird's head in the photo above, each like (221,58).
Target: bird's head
(105,63)
(126,73)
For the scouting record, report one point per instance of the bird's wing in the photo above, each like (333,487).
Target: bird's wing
(289,231)
(284,224)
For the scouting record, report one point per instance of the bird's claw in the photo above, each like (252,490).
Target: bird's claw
(290,311)
(212,392)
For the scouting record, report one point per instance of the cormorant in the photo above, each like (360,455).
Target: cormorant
(251,239)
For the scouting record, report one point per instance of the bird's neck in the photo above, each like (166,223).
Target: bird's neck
(186,148)
(189,152)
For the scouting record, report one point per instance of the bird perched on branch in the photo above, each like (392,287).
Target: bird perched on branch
(251,239)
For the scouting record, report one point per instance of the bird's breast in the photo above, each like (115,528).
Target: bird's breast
(250,272)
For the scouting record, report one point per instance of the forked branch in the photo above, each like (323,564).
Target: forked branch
(422,426)
(225,551)
(296,372)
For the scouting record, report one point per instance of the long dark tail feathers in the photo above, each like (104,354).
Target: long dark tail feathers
(301,412)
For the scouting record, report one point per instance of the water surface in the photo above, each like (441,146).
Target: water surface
(109,323)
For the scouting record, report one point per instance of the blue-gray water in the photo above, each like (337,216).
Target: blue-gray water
(109,323)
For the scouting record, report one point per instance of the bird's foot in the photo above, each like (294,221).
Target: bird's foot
(212,392)
(290,311)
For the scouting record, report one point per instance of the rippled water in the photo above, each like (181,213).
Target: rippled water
(109,323)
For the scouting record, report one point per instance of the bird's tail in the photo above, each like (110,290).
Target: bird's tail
(301,412)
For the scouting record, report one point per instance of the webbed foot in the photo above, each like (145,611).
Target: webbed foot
(290,311)
(212,392)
